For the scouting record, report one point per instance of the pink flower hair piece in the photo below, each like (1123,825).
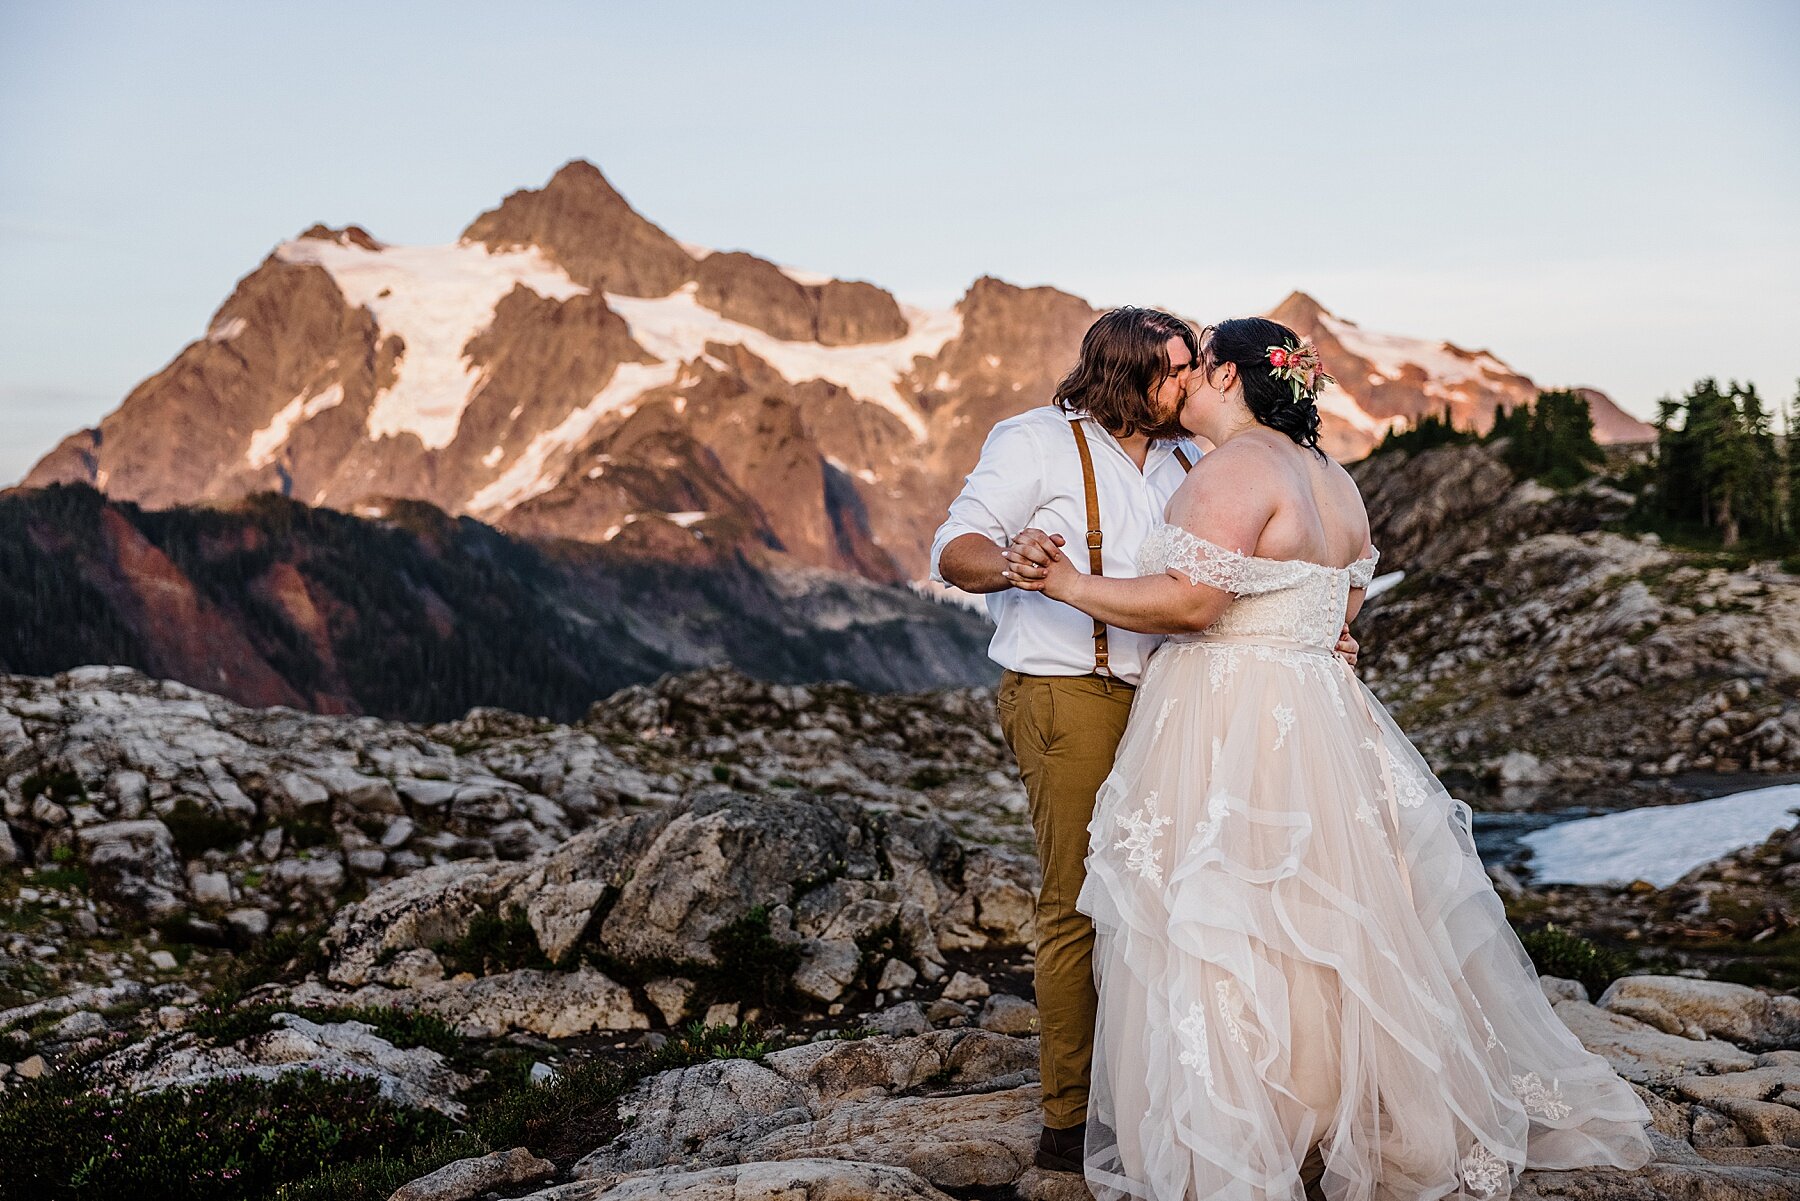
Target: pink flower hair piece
(1299,365)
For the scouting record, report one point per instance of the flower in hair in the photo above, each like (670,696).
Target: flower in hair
(1299,365)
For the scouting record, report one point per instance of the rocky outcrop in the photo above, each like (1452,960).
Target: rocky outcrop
(819,884)
(756,292)
(414,1076)
(1529,642)
(581,222)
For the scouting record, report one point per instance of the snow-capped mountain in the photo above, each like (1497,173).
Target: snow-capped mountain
(568,369)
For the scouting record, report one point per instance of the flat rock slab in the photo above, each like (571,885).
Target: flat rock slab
(469,1178)
(810,1179)
(1643,1054)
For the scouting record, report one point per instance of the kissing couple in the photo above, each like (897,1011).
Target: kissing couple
(1269,961)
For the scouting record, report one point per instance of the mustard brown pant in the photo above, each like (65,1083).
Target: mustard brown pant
(1064,731)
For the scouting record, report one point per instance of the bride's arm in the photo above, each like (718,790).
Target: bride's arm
(1226,499)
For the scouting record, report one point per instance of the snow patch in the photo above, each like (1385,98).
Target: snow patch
(267,442)
(948,594)
(533,473)
(435,298)
(493,456)
(1339,403)
(1659,844)
(1382,583)
(687,520)
(1392,354)
(806,279)
(225,331)
(677,327)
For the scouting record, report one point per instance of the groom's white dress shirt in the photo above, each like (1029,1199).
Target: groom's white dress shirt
(1029,476)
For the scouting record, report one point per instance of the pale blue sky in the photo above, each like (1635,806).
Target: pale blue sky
(1601,193)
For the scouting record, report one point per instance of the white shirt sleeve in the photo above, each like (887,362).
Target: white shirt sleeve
(999,497)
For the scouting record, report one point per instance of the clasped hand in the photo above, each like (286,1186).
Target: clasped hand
(1035,562)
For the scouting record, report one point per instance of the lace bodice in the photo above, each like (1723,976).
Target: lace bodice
(1276,598)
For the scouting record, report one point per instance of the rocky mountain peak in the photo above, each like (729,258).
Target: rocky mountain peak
(1298,309)
(350,235)
(582,222)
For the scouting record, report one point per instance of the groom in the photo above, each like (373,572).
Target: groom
(1089,472)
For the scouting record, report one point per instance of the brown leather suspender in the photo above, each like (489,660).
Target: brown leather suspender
(1094,535)
(1094,539)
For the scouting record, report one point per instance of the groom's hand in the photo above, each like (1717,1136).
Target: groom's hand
(1030,554)
(1347,646)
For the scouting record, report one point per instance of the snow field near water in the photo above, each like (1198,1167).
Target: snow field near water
(1660,844)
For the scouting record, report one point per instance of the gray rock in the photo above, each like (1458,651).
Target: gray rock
(897,973)
(1555,989)
(827,968)
(1735,1012)
(1007,1014)
(293,794)
(553,1004)
(415,1076)
(671,995)
(469,1178)
(253,923)
(698,1115)
(901,1020)
(133,865)
(83,1023)
(1643,1054)
(964,987)
(812,1178)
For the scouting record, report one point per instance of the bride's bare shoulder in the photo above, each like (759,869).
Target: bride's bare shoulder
(1234,484)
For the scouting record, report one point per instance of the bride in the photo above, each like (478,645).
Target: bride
(1300,958)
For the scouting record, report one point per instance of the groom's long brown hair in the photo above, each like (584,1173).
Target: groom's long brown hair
(1124,360)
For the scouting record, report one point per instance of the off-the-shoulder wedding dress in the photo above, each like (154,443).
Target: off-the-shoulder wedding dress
(1296,942)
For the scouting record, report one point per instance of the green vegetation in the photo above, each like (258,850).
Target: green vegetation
(197,829)
(1550,440)
(1426,433)
(225,1139)
(402,1028)
(1558,952)
(573,1113)
(493,943)
(1720,477)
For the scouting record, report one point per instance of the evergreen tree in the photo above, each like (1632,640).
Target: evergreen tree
(1793,470)
(1551,441)
(1719,471)
(1425,433)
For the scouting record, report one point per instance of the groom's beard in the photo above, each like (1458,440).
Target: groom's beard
(1169,428)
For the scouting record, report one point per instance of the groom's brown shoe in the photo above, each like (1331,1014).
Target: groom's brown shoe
(1061,1150)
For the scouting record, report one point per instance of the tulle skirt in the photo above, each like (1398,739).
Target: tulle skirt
(1298,951)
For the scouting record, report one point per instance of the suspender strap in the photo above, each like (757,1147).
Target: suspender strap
(1094,539)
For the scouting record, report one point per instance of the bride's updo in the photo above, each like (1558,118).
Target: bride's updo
(1280,395)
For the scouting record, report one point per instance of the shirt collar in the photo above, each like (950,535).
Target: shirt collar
(1166,445)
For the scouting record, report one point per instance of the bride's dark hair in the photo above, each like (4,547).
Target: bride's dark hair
(1245,342)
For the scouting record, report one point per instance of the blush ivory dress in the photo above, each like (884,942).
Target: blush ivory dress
(1296,943)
